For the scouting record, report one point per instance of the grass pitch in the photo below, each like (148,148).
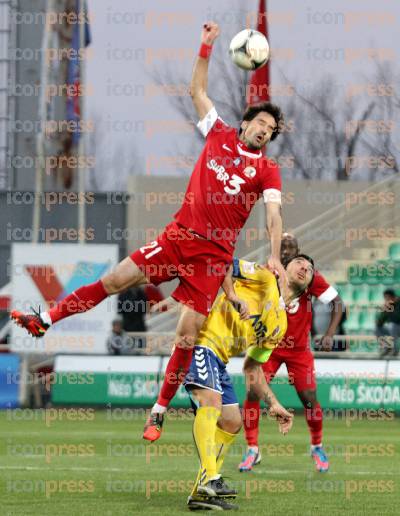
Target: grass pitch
(87,462)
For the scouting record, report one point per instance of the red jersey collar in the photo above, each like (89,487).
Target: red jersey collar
(245,151)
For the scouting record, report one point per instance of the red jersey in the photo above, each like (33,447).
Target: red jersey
(299,314)
(226,182)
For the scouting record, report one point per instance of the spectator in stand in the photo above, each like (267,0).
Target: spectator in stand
(388,324)
(133,304)
(118,343)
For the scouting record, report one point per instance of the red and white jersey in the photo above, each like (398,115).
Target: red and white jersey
(299,314)
(226,182)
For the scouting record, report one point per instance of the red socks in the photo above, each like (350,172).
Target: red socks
(251,417)
(314,421)
(175,373)
(81,300)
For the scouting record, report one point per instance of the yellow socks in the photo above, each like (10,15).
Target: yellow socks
(223,440)
(204,431)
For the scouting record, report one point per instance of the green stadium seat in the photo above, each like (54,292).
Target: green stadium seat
(392,274)
(373,274)
(376,294)
(366,346)
(356,274)
(345,292)
(385,262)
(352,323)
(362,346)
(394,251)
(361,294)
(383,272)
(367,321)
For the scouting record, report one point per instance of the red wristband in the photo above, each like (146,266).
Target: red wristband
(205,51)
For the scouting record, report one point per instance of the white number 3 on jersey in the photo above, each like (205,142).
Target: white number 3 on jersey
(293,306)
(236,183)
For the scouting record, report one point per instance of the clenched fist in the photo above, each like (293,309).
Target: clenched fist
(209,33)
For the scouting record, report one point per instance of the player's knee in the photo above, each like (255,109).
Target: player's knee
(207,398)
(236,424)
(232,424)
(113,283)
(309,399)
(232,428)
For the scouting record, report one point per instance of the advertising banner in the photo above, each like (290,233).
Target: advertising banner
(44,274)
(135,381)
(9,375)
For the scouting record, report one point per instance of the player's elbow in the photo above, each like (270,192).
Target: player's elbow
(197,103)
(193,90)
(196,91)
(199,99)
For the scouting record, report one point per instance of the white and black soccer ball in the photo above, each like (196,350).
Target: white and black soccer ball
(249,49)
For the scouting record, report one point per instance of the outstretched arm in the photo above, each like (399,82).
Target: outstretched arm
(274,229)
(258,388)
(239,304)
(198,86)
(227,284)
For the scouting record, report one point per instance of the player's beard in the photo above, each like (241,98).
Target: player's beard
(297,288)
(253,145)
(258,145)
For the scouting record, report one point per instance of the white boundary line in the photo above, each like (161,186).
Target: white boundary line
(256,472)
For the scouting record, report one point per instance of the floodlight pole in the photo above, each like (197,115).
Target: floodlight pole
(81,145)
(40,139)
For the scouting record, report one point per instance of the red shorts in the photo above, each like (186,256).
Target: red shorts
(300,366)
(199,264)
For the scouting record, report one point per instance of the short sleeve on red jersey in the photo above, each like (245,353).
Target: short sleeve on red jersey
(213,124)
(321,289)
(271,182)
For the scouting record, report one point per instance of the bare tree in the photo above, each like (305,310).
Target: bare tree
(384,143)
(324,131)
(111,164)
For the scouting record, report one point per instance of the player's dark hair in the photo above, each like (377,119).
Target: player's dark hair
(309,259)
(266,107)
(301,255)
(389,292)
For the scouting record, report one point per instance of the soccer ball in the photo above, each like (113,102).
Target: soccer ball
(249,49)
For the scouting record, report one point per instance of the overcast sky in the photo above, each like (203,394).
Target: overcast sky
(133,40)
